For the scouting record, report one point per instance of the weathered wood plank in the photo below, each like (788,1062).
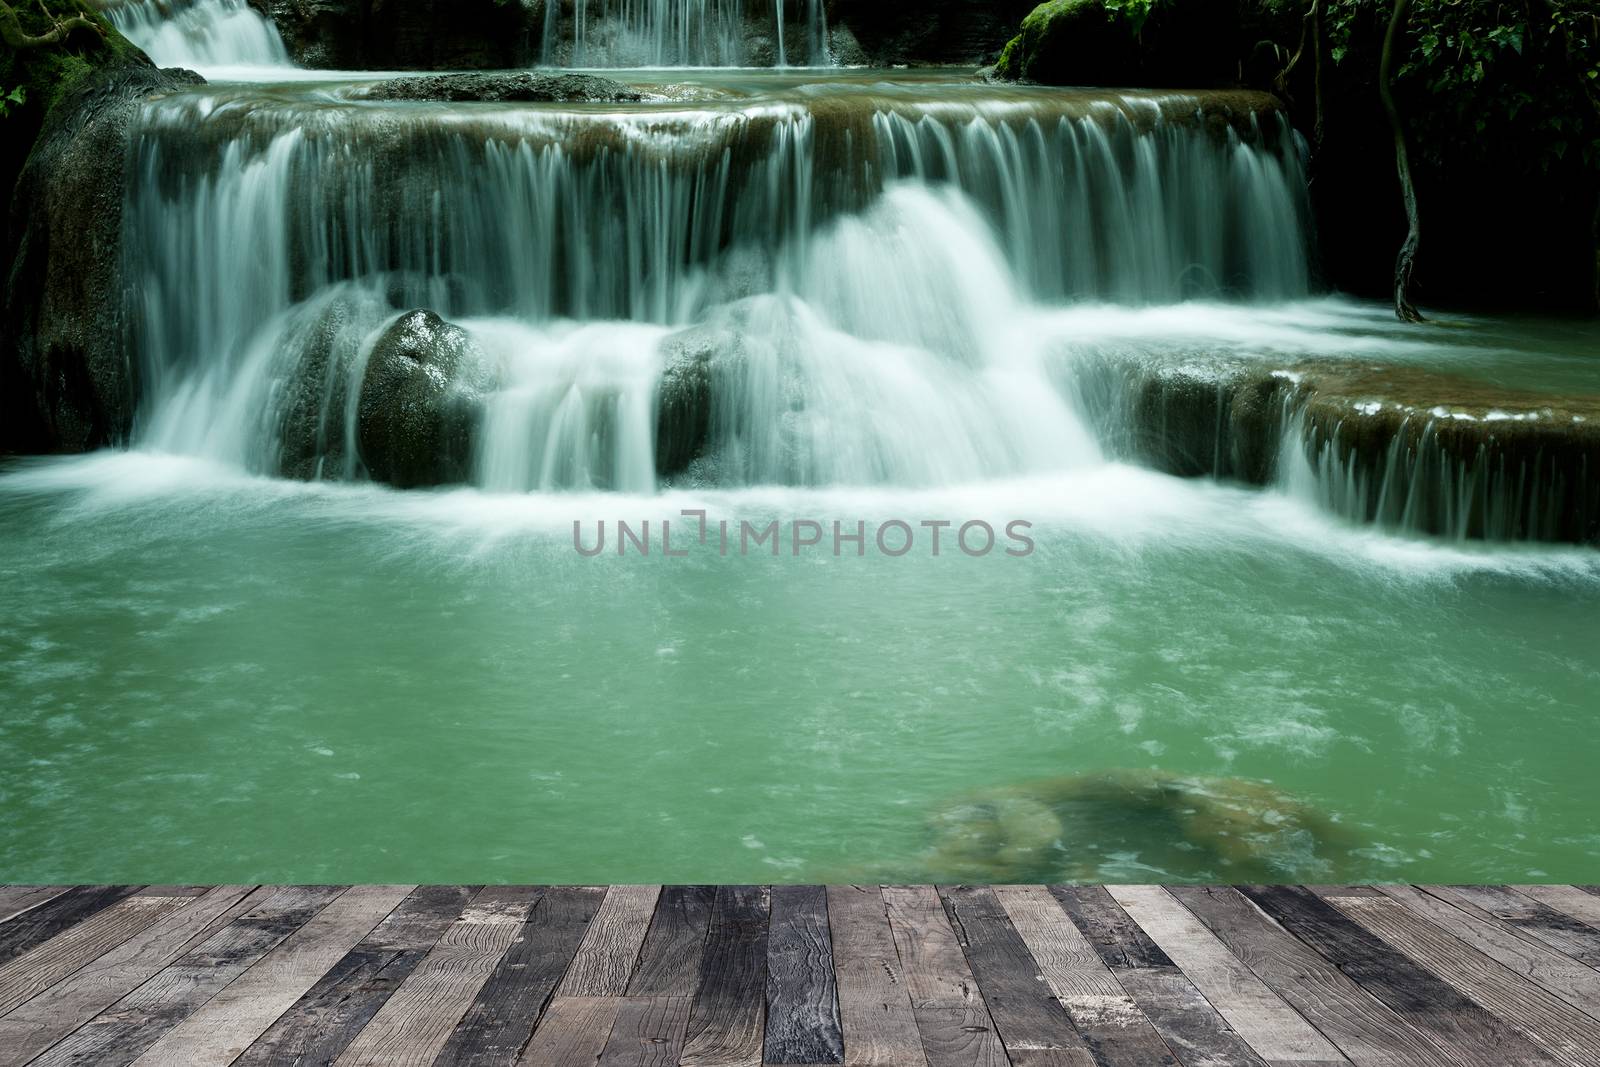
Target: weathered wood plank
(1113,1026)
(648,1032)
(669,962)
(802,1005)
(727,1019)
(1117,938)
(1366,1031)
(323,1022)
(948,1006)
(1470,1034)
(573,1032)
(506,1009)
(875,1011)
(610,950)
(225,1026)
(416,1021)
(55,1012)
(1533,919)
(121,1032)
(24,977)
(1568,899)
(1562,975)
(1551,1022)
(1275,1031)
(45,920)
(16,899)
(1026,1014)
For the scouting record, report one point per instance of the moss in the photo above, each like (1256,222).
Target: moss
(1029,54)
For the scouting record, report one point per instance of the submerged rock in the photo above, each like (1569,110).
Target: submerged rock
(421,400)
(66,383)
(514,86)
(1077,829)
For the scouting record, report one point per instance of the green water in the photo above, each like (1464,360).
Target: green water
(213,678)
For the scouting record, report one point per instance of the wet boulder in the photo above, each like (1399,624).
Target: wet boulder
(518,86)
(422,398)
(685,396)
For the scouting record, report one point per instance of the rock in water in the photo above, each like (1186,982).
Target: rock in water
(66,384)
(492,88)
(421,401)
(1081,828)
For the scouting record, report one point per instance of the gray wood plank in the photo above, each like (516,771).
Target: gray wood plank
(669,962)
(1452,1021)
(1114,1028)
(610,950)
(121,1032)
(1366,1030)
(1117,938)
(875,1010)
(1560,974)
(1026,1014)
(57,1011)
(802,1003)
(573,1032)
(221,1030)
(417,1020)
(24,977)
(505,1011)
(323,1022)
(16,899)
(1551,1022)
(727,1018)
(1531,918)
(47,919)
(648,1032)
(1275,1031)
(1569,899)
(949,1009)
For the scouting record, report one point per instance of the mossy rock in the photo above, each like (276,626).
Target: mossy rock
(1182,44)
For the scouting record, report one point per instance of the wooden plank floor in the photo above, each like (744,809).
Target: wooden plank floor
(869,976)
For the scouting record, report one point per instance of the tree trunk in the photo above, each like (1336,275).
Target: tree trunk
(12,34)
(1406,260)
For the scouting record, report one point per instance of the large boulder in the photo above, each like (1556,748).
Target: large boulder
(66,383)
(1182,44)
(422,398)
(512,86)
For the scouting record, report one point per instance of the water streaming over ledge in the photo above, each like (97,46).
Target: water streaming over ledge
(848,264)
(200,34)
(686,33)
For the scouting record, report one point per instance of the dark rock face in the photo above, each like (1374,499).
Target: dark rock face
(684,399)
(421,400)
(65,378)
(886,32)
(455,88)
(409,34)
(1080,42)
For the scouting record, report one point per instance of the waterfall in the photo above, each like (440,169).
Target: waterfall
(200,34)
(847,286)
(688,33)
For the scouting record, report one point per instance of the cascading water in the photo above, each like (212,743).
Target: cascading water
(834,290)
(687,33)
(200,34)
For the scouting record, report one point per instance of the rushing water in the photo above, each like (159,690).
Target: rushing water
(685,33)
(202,35)
(920,299)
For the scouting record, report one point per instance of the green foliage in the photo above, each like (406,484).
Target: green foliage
(15,98)
(1134,13)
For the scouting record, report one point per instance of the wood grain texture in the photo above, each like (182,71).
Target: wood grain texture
(1531,918)
(1549,1021)
(1365,1030)
(121,1032)
(1116,937)
(323,1022)
(1114,1028)
(1451,1021)
(45,920)
(669,962)
(875,1010)
(1274,1030)
(416,1021)
(1025,1011)
(728,1017)
(25,976)
(648,1032)
(802,1004)
(1568,899)
(948,1007)
(220,1031)
(16,899)
(606,959)
(507,1008)
(33,1027)
(573,1032)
